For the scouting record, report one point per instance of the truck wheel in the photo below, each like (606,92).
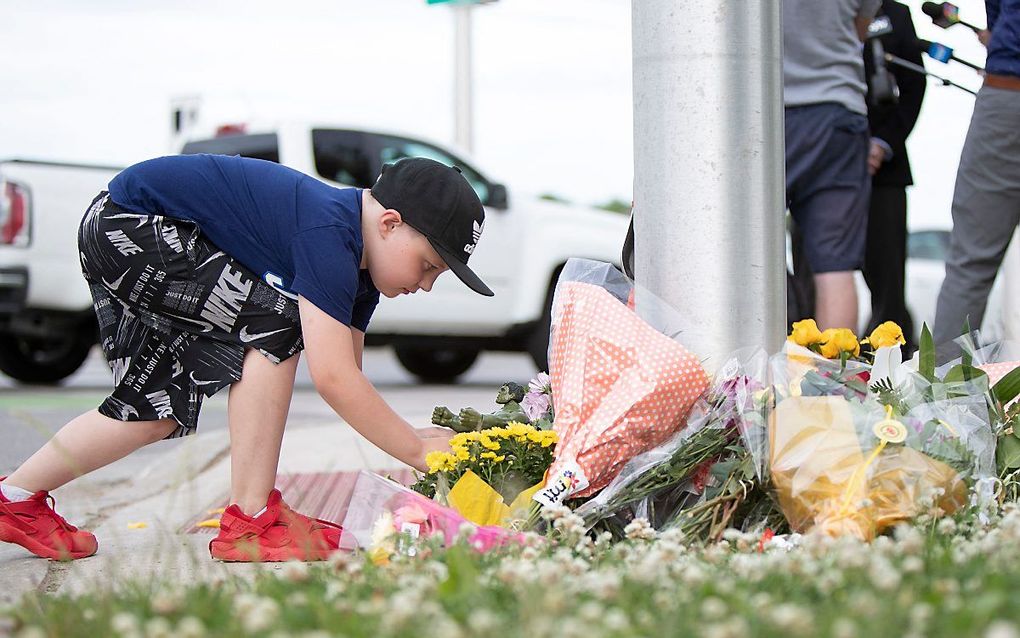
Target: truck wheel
(44,361)
(436,365)
(538,342)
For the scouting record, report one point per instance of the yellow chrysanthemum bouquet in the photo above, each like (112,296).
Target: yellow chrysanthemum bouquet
(491,475)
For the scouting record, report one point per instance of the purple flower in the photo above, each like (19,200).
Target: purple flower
(540,384)
(536,405)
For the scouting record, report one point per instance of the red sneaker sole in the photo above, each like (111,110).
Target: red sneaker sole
(230,553)
(18,537)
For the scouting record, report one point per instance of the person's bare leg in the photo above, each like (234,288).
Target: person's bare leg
(836,300)
(257,413)
(86,443)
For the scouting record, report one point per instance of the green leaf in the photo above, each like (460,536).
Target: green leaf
(1008,387)
(462,575)
(967,359)
(927,354)
(963,372)
(1007,454)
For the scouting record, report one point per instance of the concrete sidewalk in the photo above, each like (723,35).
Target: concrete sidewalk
(167,494)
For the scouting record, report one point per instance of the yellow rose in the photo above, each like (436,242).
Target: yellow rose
(838,340)
(805,333)
(885,335)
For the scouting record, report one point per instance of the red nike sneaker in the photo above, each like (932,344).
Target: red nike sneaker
(34,525)
(278,534)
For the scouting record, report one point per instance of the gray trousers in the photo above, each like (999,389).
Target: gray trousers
(986,210)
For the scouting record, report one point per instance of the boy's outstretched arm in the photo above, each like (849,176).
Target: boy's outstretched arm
(332,362)
(358,339)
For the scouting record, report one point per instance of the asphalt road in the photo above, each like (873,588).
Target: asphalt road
(30,415)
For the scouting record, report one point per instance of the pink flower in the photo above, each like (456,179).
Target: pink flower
(540,384)
(410,514)
(536,405)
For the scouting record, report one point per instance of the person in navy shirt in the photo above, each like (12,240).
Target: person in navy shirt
(986,200)
(209,271)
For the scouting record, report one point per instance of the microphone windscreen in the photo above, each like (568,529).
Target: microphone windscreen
(931,9)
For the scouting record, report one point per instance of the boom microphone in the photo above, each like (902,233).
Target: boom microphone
(942,53)
(945,15)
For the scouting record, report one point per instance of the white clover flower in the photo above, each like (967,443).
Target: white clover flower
(158,628)
(553,513)
(733,628)
(713,608)
(190,627)
(261,616)
(32,632)
(920,614)
(883,575)
(909,539)
(297,599)
(946,526)
(167,601)
(616,620)
(590,611)
(639,529)
(912,565)
(793,619)
(844,628)
(483,621)
(124,623)
(1002,629)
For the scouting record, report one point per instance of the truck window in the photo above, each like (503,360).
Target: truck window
(340,156)
(392,149)
(264,146)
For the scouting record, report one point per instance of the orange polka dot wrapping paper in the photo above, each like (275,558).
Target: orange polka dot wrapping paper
(620,386)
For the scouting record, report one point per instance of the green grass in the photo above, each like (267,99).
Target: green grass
(947,579)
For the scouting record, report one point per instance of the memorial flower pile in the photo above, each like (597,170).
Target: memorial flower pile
(491,475)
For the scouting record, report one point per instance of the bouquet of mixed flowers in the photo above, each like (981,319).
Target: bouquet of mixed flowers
(621,386)
(491,475)
(389,519)
(702,480)
(847,453)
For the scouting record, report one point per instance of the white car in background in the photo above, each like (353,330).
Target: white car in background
(47,325)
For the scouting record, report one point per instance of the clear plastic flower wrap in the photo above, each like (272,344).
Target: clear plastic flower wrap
(663,482)
(844,459)
(621,386)
(384,515)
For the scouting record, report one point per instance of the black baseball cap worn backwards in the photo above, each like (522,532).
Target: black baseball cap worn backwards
(438,202)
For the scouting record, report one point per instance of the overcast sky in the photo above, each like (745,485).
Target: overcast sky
(93,82)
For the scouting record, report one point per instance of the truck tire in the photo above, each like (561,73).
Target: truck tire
(42,361)
(538,342)
(436,365)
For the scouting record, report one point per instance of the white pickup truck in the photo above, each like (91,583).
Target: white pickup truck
(46,322)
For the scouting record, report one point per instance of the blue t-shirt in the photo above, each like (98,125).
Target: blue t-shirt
(300,235)
(1004,49)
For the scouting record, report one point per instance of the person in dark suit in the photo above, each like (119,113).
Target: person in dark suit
(890,122)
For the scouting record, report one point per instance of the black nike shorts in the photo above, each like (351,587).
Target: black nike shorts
(176,314)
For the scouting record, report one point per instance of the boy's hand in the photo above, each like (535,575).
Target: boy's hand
(433,432)
(433,442)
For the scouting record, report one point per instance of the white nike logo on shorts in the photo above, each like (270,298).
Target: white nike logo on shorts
(198,382)
(115,284)
(206,326)
(245,336)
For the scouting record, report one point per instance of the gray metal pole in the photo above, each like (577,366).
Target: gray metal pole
(463,110)
(709,169)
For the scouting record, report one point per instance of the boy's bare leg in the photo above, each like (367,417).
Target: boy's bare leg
(257,413)
(86,443)
(836,300)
